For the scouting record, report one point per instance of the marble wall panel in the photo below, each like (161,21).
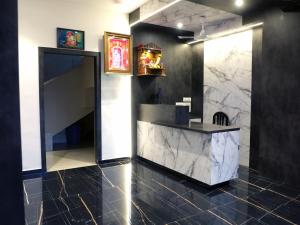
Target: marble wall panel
(224,156)
(183,151)
(227,83)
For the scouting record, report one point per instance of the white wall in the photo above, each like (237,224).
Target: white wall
(227,83)
(38,20)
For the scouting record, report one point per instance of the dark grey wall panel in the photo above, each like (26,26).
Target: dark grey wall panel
(157,112)
(134,16)
(257,89)
(177,59)
(276,98)
(197,79)
(11,190)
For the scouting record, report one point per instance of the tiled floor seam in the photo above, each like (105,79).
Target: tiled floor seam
(263,189)
(270,212)
(219,217)
(178,195)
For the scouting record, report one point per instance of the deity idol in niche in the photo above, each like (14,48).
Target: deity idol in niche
(117,56)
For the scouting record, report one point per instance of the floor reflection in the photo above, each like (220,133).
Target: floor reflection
(138,193)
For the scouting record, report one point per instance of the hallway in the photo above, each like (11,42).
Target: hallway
(69,159)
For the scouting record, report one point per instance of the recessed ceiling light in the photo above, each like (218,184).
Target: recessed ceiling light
(239,3)
(179,25)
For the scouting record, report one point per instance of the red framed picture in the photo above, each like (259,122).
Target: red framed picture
(117,53)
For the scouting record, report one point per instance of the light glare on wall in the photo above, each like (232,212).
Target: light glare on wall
(179,25)
(226,33)
(239,3)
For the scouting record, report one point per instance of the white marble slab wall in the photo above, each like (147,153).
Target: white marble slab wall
(227,83)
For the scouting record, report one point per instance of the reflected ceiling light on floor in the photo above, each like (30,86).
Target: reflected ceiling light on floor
(179,25)
(226,33)
(239,3)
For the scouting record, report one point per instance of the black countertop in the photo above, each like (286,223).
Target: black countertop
(199,127)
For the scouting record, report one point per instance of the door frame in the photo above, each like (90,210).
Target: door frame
(97,84)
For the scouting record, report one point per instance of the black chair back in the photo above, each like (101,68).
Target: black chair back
(221,118)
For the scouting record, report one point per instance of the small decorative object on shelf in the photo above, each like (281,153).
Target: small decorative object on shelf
(150,60)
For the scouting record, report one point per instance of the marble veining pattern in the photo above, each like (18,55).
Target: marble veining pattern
(151,6)
(209,158)
(138,193)
(189,14)
(227,83)
(224,156)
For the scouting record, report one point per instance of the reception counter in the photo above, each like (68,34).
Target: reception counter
(205,152)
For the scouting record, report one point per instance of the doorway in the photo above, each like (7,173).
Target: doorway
(70,108)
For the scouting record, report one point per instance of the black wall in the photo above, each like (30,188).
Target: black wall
(177,59)
(11,190)
(275,133)
(197,79)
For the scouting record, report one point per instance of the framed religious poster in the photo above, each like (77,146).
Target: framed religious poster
(117,53)
(68,38)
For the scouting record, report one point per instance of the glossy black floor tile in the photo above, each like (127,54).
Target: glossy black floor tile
(253,222)
(285,190)
(268,200)
(241,189)
(199,200)
(111,218)
(290,211)
(247,208)
(205,218)
(231,215)
(138,193)
(274,220)
(151,208)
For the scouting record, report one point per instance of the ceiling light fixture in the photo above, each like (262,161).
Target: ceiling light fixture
(226,33)
(179,25)
(239,3)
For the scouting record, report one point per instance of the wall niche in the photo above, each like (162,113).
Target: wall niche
(150,60)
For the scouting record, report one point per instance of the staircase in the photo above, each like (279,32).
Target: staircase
(68,93)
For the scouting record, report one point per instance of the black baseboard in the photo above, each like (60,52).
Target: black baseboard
(179,175)
(30,174)
(114,162)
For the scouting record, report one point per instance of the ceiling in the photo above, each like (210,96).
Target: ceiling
(128,5)
(220,15)
(189,14)
(122,6)
(251,5)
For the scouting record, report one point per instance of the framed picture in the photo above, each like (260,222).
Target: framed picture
(117,53)
(72,39)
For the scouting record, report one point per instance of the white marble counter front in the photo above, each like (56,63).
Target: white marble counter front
(209,158)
